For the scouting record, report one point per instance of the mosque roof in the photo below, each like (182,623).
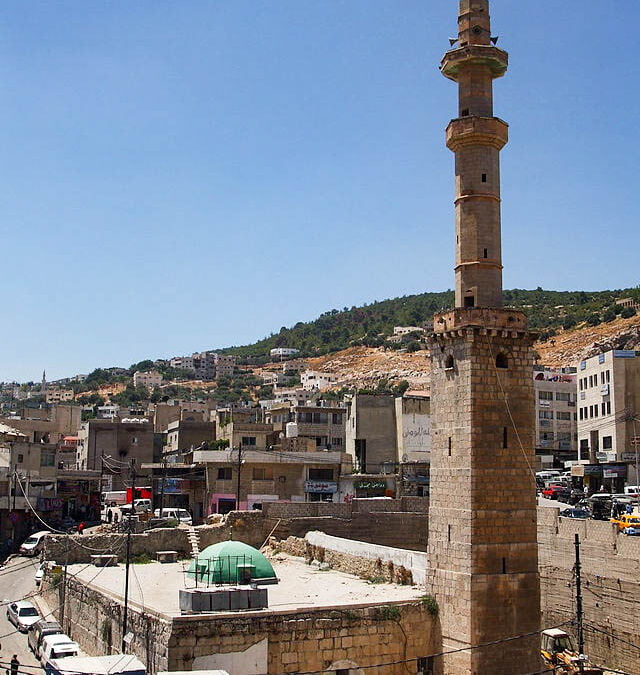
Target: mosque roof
(223,563)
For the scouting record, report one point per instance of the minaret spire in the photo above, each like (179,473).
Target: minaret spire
(476,137)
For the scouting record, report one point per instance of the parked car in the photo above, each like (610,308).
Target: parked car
(632,531)
(39,631)
(181,515)
(575,513)
(22,615)
(33,544)
(557,491)
(57,646)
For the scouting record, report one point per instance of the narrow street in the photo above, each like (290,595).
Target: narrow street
(16,582)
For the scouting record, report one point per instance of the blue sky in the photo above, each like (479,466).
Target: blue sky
(188,174)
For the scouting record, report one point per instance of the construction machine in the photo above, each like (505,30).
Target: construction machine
(559,653)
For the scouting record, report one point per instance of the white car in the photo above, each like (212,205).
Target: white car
(57,646)
(181,515)
(22,615)
(33,544)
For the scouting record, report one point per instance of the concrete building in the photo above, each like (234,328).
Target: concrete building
(183,434)
(47,424)
(323,424)
(149,379)
(283,353)
(120,441)
(57,395)
(608,409)
(556,415)
(268,476)
(483,568)
(314,380)
(413,428)
(371,436)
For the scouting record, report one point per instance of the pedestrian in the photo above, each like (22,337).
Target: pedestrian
(81,527)
(116,518)
(15,664)
(109,516)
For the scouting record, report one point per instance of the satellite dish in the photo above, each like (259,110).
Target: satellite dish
(405,458)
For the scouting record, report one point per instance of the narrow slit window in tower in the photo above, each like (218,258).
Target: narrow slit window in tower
(502,361)
(504,566)
(484,177)
(449,532)
(448,364)
(486,252)
(469,301)
(464,112)
(450,444)
(505,437)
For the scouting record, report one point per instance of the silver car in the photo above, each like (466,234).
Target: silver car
(22,614)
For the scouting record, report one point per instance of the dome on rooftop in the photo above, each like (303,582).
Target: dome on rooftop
(230,562)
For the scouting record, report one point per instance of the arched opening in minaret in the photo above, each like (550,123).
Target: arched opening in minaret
(502,361)
(449,362)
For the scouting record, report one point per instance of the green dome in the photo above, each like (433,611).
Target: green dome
(230,562)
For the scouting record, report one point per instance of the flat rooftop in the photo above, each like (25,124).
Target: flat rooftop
(154,586)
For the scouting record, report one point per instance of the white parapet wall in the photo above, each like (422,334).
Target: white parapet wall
(415,561)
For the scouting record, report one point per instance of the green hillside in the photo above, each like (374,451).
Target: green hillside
(548,311)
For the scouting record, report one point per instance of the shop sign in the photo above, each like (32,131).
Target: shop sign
(370,485)
(592,469)
(173,486)
(615,471)
(48,503)
(630,456)
(624,354)
(320,486)
(71,486)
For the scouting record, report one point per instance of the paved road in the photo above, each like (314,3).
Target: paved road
(16,582)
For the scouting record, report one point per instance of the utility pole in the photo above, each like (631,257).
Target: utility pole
(239,469)
(636,441)
(579,613)
(125,615)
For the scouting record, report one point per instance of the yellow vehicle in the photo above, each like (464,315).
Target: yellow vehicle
(626,520)
(559,653)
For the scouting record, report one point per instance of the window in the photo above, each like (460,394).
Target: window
(584,444)
(450,442)
(545,395)
(20,458)
(608,374)
(581,413)
(47,458)
(336,418)
(484,180)
(425,665)
(224,473)
(505,438)
(608,407)
(603,408)
(262,473)
(448,364)
(566,416)
(563,396)
(564,436)
(580,383)
(607,442)
(336,441)
(501,360)
(248,440)
(320,474)
(545,414)
(486,252)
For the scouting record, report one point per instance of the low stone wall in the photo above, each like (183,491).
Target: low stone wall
(378,564)
(248,526)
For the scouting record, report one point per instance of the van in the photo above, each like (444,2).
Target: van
(33,544)
(57,646)
(181,515)
(142,505)
(40,631)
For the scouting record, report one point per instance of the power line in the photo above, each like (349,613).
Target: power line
(591,627)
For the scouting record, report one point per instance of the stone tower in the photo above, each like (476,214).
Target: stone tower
(482,517)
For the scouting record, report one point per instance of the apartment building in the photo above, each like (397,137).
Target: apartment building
(206,365)
(556,414)
(57,395)
(283,353)
(269,476)
(185,434)
(609,411)
(46,424)
(413,429)
(149,379)
(322,423)
(120,441)
(314,380)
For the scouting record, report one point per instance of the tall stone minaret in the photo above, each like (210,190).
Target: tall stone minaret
(482,514)
(43,387)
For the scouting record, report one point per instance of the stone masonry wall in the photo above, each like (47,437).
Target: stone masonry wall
(611,585)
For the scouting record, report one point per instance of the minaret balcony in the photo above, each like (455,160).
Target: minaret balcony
(455,60)
(464,131)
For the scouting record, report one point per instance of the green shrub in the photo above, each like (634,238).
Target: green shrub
(430,604)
